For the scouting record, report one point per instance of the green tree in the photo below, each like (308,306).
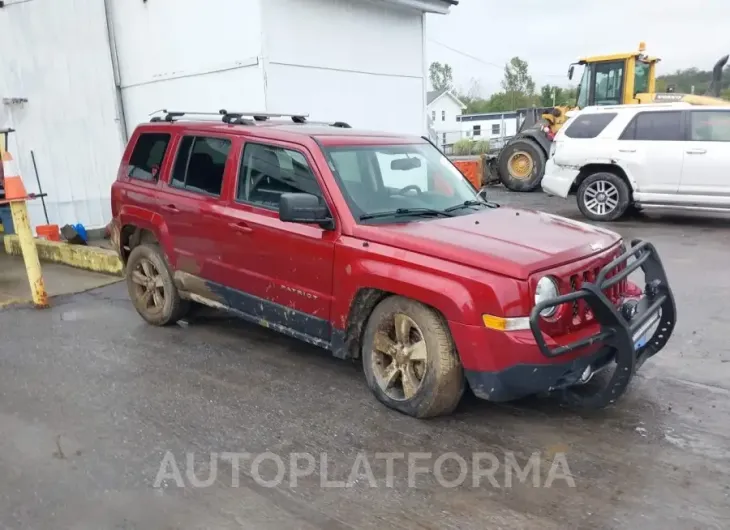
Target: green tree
(551,95)
(517,78)
(440,75)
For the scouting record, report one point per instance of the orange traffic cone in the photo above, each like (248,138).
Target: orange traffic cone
(16,195)
(14,187)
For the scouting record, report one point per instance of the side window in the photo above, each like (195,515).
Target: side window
(655,126)
(200,164)
(710,126)
(609,83)
(267,172)
(589,125)
(147,155)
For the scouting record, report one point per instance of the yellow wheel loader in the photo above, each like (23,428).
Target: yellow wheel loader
(618,79)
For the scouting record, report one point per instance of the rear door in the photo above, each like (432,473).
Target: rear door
(651,149)
(191,202)
(706,168)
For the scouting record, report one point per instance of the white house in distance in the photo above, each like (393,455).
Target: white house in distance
(444,110)
(489,126)
(109,63)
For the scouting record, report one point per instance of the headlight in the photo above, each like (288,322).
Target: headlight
(547,289)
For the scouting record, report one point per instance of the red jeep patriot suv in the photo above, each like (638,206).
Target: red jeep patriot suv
(376,247)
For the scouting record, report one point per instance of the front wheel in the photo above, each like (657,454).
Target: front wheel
(522,165)
(410,360)
(603,197)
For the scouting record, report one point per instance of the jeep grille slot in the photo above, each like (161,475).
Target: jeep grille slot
(581,313)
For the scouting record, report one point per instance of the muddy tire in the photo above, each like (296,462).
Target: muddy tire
(410,360)
(151,287)
(603,197)
(522,165)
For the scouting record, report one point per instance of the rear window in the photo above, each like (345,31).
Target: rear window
(664,126)
(589,125)
(147,156)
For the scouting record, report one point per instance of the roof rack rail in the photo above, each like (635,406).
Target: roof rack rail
(342,124)
(237,117)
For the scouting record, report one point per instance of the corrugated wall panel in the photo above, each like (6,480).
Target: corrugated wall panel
(185,55)
(346,60)
(55,54)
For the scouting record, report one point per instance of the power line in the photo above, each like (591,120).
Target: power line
(501,67)
(487,63)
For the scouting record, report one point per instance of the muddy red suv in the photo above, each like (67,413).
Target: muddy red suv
(375,247)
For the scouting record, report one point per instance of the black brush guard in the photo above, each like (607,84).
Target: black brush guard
(618,327)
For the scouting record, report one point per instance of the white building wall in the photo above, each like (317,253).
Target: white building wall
(448,129)
(55,54)
(179,54)
(346,60)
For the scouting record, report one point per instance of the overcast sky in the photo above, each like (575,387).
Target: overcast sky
(683,33)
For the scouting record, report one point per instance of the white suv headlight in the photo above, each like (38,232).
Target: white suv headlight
(547,289)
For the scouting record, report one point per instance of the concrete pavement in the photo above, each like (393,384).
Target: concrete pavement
(59,279)
(92,400)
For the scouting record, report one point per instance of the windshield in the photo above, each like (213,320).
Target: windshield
(378,179)
(641,78)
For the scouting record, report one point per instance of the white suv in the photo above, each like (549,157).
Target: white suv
(618,157)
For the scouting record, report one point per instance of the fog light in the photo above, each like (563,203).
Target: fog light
(586,375)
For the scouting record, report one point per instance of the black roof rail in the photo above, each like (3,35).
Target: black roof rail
(342,124)
(235,118)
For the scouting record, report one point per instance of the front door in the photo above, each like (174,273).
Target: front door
(706,168)
(279,272)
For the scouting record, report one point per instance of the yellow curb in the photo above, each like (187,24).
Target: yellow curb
(81,257)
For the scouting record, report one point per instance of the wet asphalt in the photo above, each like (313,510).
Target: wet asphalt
(92,400)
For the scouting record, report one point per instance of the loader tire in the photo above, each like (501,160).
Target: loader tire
(522,165)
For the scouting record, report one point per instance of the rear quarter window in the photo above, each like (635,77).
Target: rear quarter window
(589,125)
(147,155)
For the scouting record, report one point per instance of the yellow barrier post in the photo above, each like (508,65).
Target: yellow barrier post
(16,195)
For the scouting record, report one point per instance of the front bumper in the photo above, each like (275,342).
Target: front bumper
(558,180)
(621,335)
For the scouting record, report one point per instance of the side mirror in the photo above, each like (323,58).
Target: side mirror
(304,208)
(571,69)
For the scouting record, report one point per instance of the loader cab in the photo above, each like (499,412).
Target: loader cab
(615,79)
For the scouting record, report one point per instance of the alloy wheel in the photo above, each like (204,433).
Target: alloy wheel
(399,357)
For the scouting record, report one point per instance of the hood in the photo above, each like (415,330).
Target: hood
(506,241)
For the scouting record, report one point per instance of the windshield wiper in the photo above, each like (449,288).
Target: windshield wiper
(467,204)
(405,212)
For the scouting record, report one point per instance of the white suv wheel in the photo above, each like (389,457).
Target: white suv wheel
(603,196)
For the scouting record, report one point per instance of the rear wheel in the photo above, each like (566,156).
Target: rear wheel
(410,360)
(603,197)
(151,287)
(522,165)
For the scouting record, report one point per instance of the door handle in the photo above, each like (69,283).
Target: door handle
(170,208)
(696,151)
(627,150)
(241,227)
